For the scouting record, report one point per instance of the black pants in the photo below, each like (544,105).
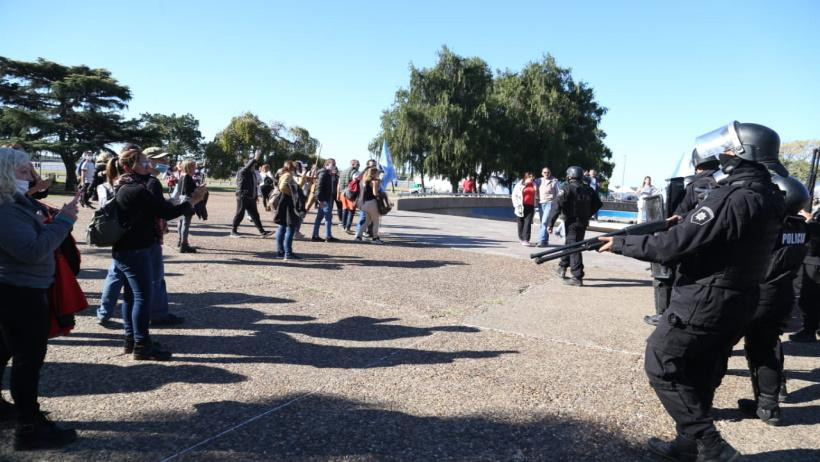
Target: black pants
(809,302)
(763,351)
(663,293)
(266,190)
(687,354)
(339,210)
(245,204)
(525,223)
(24,321)
(87,192)
(575,233)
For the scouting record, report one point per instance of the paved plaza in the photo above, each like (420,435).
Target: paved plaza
(446,344)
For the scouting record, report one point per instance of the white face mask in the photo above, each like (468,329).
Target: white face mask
(22,186)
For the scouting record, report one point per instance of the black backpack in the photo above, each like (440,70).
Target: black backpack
(106,228)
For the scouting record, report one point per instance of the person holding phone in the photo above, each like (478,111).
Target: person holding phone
(27,267)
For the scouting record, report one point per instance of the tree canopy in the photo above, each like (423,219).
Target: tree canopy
(247,133)
(177,135)
(458,119)
(45,106)
(796,157)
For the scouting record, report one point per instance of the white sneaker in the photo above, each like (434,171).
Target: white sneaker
(526,244)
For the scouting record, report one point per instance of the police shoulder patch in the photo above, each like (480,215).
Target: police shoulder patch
(702,216)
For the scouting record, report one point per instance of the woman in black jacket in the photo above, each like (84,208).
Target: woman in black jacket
(132,253)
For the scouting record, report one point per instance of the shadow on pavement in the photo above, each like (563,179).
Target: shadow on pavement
(323,427)
(263,341)
(63,379)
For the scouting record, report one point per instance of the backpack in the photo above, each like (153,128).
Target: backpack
(106,228)
(351,192)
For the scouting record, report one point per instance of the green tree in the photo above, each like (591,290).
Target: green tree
(796,157)
(62,109)
(178,135)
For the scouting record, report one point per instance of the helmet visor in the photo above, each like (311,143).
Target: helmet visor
(719,141)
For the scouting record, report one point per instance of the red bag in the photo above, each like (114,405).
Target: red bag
(65,297)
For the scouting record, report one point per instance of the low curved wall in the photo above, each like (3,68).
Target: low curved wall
(451,202)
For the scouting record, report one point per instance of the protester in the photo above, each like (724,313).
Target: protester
(468,185)
(547,189)
(114,280)
(87,172)
(646,190)
(337,199)
(247,194)
(187,188)
(368,202)
(326,185)
(266,187)
(133,253)
(524,199)
(286,212)
(371,163)
(349,200)
(27,268)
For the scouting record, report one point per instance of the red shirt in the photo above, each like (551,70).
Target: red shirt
(468,186)
(529,194)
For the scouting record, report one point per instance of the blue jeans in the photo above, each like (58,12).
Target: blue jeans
(138,269)
(347,218)
(362,220)
(543,235)
(325,212)
(159,305)
(284,240)
(112,286)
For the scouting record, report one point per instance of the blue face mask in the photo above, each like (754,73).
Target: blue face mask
(161,168)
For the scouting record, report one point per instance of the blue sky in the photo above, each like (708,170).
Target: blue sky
(667,71)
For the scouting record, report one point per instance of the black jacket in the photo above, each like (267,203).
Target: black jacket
(566,203)
(693,191)
(246,181)
(326,185)
(141,208)
(728,238)
(789,252)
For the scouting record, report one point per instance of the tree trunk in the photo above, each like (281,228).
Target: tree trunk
(70,173)
(454,185)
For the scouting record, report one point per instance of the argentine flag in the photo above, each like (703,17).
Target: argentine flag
(387,166)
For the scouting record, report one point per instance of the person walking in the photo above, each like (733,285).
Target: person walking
(524,197)
(577,202)
(547,189)
(27,268)
(247,194)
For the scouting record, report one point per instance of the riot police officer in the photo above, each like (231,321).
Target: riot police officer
(577,202)
(810,286)
(763,352)
(723,249)
(695,190)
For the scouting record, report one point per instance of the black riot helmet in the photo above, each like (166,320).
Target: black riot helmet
(747,141)
(797,196)
(709,162)
(575,172)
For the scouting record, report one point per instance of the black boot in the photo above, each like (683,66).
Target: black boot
(804,336)
(680,449)
(562,272)
(716,450)
(765,409)
(149,351)
(574,282)
(783,394)
(42,433)
(128,345)
(7,411)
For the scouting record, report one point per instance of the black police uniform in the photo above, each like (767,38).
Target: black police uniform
(699,187)
(763,352)
(809,301)
(693,193)
(577,202)
(723,249)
